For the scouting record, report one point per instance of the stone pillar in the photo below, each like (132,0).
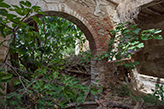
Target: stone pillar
(101,71)
(94,71)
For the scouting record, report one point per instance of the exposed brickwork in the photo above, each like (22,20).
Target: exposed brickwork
(95,25)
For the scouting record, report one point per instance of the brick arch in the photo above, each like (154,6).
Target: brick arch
(82,24)
(93,29)
(63,10)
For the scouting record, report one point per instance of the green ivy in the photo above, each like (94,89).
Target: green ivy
(130,39)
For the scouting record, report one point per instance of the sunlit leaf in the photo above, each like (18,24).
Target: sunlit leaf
(159,37)
(141,45)
(7,76)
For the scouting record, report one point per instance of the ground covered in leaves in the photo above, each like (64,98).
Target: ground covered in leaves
(117,94)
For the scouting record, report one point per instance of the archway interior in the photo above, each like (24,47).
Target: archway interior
(57,38)
(80,25)
(64,34)
(40,54)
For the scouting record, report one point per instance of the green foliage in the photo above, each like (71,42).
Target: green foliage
(121,90)
(124,91)
(158,92)
(157,97)
(62,90)
(129,39)
(37,55)
(85,56)
(4,78)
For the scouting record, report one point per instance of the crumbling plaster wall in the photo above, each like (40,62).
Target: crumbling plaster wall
(152,56)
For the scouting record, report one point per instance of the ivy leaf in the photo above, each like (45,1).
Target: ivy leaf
(151,30)
(36,19)
(15,6)
(96,59)
(144,38)
(4,5)
(152,90)
(2,42)
(17,82)
(127,65)
(157,85)
(20,11)
(5,81)
(1,87)
(27,3)
(141,45)
(136,31)
(159,37)
(106,55)
(118,57)
(11,9)
(36,8)
(135,63)
(3,12)
(10,16)
(157,31)
(135,42)
(1,94)
(2,31)
(0,19)
(7,76)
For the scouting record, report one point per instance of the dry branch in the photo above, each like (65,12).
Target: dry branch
(73,105)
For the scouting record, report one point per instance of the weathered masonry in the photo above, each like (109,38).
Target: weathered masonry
(96,18)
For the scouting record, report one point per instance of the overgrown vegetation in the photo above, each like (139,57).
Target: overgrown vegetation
(156,98)
(37,51)
(127,39)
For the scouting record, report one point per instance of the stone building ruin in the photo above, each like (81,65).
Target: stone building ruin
(96,18)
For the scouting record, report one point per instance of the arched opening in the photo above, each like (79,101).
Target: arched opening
(29,61)
(83,25)
(33,71)
(88,31)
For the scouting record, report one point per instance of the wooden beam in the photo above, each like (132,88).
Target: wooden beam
(153,11)
(115,2)
(152,3)
(161,6)
(144,14)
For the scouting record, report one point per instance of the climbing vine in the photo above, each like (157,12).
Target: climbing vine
(127,40)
